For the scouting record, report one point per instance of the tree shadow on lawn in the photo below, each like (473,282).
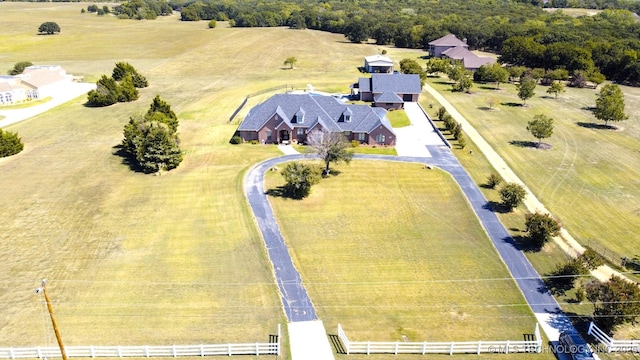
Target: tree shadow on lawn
(496,207)
(531,144)
(283,192)
(488,87)
(522,242)
(512,104)
(442,82)
(127,159)
(596,126)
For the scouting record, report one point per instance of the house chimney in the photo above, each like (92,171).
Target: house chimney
(464,40)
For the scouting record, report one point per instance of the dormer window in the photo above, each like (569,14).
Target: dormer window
(346,115)
(298,118)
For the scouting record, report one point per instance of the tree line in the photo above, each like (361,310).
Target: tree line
(520,31)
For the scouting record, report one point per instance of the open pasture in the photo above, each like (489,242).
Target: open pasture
(589,179)
(139,259)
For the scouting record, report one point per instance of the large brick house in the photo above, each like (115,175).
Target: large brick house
(288,118)
(389,91)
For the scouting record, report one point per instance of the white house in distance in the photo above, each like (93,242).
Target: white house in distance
(378,64)
(35,82)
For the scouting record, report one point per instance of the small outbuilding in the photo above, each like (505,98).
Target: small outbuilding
(378,64)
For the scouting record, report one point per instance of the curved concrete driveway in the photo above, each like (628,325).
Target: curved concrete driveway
(298,305)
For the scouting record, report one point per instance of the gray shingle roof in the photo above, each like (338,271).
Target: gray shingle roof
(325,110)
(397,83)
(388,97)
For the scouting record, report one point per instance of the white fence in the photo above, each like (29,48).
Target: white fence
(612,345)
(475,347)
(145,351)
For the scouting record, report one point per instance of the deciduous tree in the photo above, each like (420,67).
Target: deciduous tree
(330,146)
(541,127)
(541,227)
(461,77)
(291,61)
(610,104)
(410,66)
(526,88)
(615,302)
(512,195)
(556,88)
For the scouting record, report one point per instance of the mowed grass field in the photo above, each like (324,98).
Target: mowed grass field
(590,178)
(392,249)
(140,259)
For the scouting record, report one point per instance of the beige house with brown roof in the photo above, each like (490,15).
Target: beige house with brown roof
(451,47)
(35,82)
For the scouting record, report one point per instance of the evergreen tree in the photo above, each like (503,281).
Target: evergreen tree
(152,140)
(105,94)
(159,149)
(19,67)
(127,92)
(123,68)
(162,107)
(10,143)
(49,28)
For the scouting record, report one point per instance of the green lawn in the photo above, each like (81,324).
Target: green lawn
(546,260)
(398,118)
(133,258)
(399,253)
(589,180)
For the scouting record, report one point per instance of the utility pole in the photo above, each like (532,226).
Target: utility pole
(53,318)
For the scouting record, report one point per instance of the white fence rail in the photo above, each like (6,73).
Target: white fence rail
(145,351)
(612,345)
(475,347)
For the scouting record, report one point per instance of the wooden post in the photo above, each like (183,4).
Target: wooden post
(53,320)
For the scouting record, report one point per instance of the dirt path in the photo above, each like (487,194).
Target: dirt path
(565,240)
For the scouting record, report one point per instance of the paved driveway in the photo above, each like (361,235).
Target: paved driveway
(414,140)
(71,92)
